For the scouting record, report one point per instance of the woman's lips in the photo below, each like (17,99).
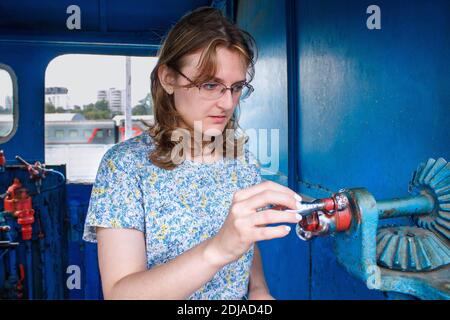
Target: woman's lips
(218,119)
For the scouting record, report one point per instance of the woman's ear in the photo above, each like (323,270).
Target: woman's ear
(167,79)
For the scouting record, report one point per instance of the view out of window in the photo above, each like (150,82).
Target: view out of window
(6,103)
(85,103)
(73,133)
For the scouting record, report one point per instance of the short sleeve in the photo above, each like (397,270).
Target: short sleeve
(116,197)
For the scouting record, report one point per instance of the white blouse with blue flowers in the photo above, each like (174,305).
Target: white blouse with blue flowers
(175,209)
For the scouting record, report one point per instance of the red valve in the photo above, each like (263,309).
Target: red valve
(19,203)
(26,219)
(342,220)
(324,216)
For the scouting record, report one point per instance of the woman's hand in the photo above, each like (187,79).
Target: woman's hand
(245,225)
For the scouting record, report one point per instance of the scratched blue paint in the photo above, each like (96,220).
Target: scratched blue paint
(405,206)
(355,249)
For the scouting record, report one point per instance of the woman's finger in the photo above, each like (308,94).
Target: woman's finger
(244,194)
(265,217)
(266,197)
(267,233)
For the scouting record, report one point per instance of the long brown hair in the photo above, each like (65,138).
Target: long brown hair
(204,29)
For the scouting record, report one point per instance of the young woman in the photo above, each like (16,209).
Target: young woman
(177,229)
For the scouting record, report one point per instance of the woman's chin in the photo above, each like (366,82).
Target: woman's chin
(213,131)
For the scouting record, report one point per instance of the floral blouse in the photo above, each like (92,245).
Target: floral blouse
(175,209)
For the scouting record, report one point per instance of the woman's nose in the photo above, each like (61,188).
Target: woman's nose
(227,101)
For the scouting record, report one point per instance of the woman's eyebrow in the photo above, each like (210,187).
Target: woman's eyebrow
(222,81)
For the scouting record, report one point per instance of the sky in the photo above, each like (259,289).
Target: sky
(83,75)
(5,86)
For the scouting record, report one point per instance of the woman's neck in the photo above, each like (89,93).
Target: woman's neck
(206,156)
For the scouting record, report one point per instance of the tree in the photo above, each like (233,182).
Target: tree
(97,115)
(102,105)
(77,109)
(49,107)
(89,107)
(144,107)
(97,111)
(139,110)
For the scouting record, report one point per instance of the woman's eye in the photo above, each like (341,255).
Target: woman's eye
(210,86)
(238,87)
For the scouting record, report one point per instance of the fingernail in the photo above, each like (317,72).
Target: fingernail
(299,205)
(287,228)
(298,197)
(298,217)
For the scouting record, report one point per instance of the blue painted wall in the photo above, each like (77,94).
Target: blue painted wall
(370,105)
(286,261)
(373,105)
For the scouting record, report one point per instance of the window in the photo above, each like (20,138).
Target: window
(59,134)
(84,97)
(73,133)
(8,103)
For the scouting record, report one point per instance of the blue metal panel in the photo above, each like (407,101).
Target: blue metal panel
(45,15)
(373,104)
(81,253)
(266,22)
(96,15)
(286,261)
(144,15)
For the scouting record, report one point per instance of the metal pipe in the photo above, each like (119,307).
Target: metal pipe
(400,207)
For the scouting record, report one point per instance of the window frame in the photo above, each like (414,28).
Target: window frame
(15,105)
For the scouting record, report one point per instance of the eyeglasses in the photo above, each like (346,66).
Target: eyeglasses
(214,90)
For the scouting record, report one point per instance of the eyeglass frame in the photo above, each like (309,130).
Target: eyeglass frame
(199,86)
